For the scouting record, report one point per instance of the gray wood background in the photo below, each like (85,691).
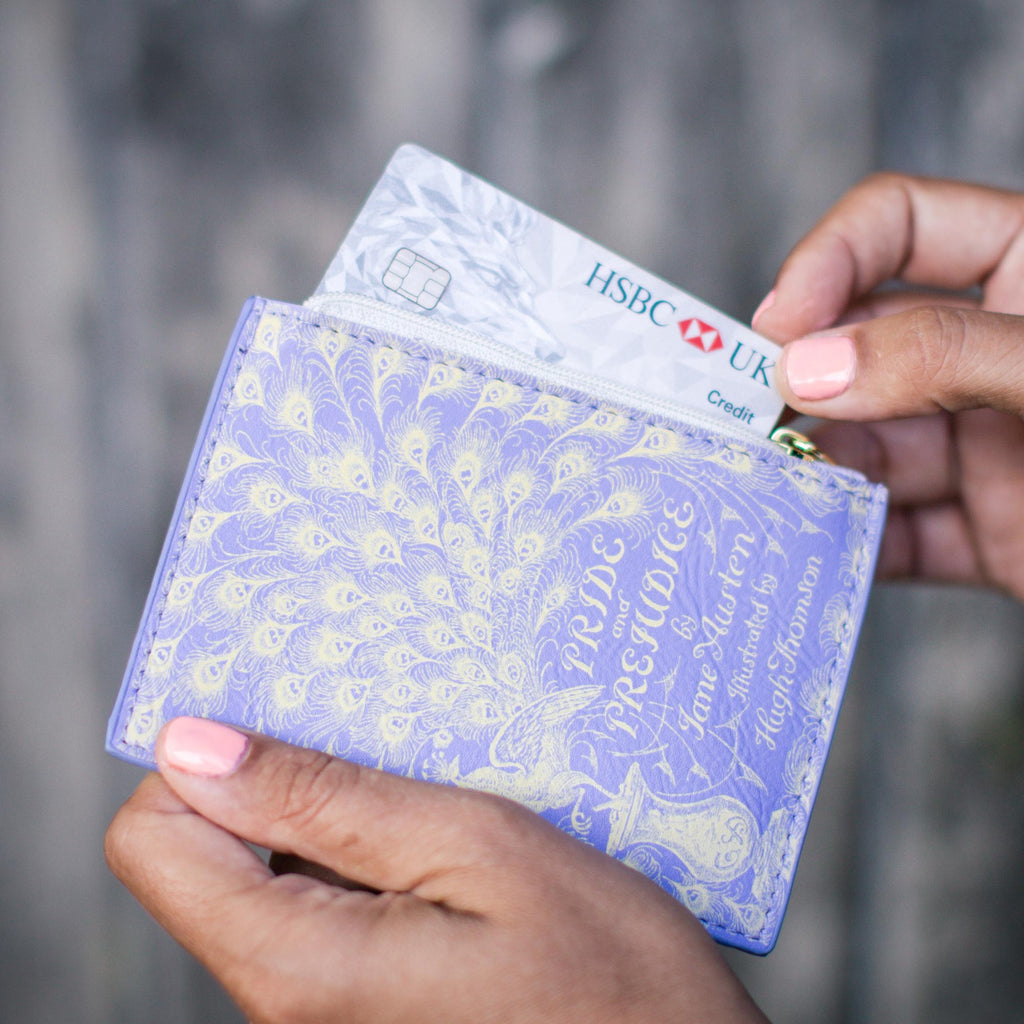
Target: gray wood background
(160,160)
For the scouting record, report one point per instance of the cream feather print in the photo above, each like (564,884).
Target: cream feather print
(399,557)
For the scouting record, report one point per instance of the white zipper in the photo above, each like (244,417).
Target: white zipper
(382,316)
(374,313)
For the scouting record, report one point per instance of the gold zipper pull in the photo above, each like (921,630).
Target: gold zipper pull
(799,446)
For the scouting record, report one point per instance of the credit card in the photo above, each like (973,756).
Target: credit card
(436,240)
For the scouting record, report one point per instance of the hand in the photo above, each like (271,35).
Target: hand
(949,366)
(458,906)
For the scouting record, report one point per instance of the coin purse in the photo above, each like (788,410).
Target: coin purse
(411,547)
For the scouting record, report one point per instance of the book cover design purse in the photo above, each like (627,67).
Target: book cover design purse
(408,546)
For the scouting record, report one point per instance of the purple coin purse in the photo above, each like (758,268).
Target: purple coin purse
(411,547)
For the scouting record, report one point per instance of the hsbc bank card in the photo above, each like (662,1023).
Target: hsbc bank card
(435,240)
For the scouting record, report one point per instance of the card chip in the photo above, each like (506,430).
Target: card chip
(416,278)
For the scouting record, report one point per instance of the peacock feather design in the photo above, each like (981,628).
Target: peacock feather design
(446,571)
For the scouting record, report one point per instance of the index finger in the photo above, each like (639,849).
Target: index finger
(924,231)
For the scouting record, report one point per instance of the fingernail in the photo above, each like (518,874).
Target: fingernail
(819,368)
(766,303)
(201,747)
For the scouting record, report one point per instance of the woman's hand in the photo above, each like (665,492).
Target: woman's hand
(944,371)
(456,906)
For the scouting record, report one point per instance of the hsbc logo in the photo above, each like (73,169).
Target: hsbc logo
(662,313)
(701,335)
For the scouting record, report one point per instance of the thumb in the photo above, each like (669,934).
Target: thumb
(921,361)
(370,827)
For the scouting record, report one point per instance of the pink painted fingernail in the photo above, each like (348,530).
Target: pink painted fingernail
(201,747)
(818,368)
(766,303)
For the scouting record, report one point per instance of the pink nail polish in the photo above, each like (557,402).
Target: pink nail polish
(202,747)
(818,368)
(766,303)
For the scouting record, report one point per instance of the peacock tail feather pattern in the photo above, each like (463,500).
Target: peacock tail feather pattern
(449,571)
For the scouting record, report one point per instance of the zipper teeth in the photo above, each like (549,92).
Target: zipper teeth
(382,316)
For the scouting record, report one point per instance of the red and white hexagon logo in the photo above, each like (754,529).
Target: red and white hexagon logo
(700,335)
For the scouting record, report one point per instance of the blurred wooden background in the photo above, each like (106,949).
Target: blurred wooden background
(160,160)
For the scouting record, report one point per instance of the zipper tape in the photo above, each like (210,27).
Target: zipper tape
(385,317)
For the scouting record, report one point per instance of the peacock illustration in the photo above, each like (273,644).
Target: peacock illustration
(528,755)
(419,563)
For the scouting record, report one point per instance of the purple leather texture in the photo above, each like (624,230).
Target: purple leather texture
(454,570)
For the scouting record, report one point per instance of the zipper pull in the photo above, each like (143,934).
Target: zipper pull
(799,446)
